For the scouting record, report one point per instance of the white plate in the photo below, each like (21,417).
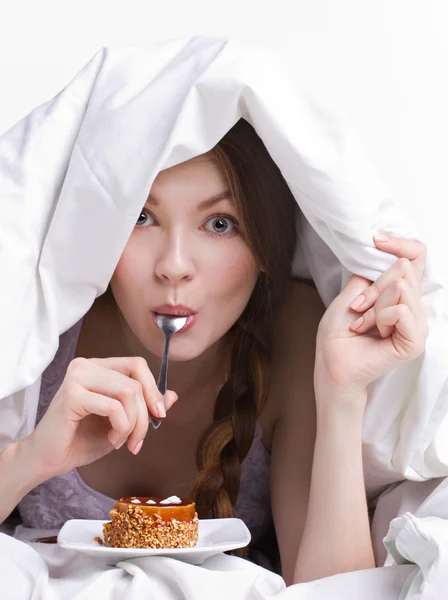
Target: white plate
(215,535)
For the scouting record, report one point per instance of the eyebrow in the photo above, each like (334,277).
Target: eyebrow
(202,205)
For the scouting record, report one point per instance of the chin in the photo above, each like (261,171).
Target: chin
(185,352)
(181,350)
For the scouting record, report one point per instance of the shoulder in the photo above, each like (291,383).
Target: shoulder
(293,362)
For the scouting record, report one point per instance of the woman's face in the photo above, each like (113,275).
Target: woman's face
(186,255)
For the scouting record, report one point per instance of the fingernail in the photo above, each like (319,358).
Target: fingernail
(161,412)
(357,324)
(120,444)
(358,302)
(137,447)
(381,238)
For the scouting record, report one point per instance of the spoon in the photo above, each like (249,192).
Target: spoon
(168,325)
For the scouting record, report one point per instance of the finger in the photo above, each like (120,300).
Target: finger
(137,368)
(354,287)
(397,293)
(413,250)
(140,429)
(130,393)
(407,339)
(401,269)
(390,297)
(90,403)
(108,382)
(170,398)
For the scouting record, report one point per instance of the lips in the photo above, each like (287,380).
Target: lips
(177,310)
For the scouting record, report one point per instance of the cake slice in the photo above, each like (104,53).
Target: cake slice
(149,522)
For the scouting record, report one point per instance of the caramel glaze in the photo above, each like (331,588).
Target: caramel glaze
(184,511)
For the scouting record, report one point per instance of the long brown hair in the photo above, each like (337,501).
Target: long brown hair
(267,210)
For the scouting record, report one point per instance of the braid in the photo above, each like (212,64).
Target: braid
(225,444)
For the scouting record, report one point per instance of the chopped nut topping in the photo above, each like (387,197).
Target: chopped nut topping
(135,529)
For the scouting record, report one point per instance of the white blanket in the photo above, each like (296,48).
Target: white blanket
(74,175)
(416,567)
(47,572)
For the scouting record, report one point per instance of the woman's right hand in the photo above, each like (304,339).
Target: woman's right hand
(101,404)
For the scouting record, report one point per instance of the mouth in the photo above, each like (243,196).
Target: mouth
(174,310)
(179,310)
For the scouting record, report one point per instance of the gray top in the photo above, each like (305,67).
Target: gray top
(67,496)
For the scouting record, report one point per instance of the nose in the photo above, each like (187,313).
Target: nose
(175,262)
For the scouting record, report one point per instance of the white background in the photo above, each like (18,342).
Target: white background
(382,62)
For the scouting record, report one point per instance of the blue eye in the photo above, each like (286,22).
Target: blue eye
(144,219)
(220,225)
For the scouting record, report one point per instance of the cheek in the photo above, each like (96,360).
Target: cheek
(129,276)
(232,273)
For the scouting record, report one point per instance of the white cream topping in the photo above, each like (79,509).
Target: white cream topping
(150,502)
(136,501)
(171,500)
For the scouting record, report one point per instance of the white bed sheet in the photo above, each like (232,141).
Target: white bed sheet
(47,572)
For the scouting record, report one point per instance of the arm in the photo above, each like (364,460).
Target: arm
(101,404)
(317,487)
(351,352)
(17,476)
(319,499)
(336,537)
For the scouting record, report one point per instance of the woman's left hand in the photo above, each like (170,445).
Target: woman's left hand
(372,327)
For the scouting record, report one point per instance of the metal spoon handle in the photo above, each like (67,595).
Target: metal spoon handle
(161,382)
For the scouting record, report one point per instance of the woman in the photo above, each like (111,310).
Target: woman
(263,380)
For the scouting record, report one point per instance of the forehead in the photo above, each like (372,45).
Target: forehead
(199,175)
